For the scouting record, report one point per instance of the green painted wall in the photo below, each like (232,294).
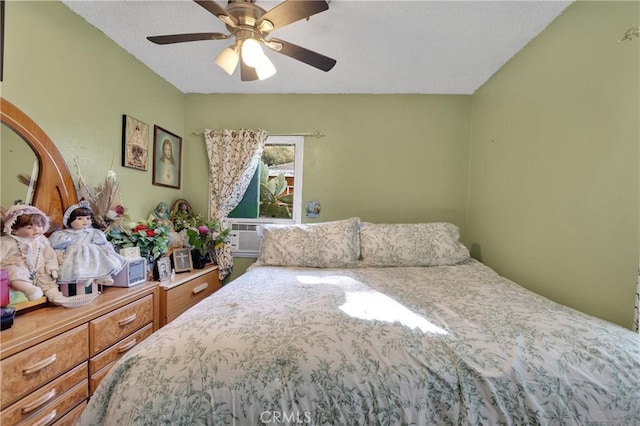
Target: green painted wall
(76,83)
(385,158)
(553,181)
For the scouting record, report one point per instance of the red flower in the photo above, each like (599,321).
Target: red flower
(119,209)
(150,233)
(140,227)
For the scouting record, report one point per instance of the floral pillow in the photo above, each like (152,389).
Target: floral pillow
(411,244)
(318,245)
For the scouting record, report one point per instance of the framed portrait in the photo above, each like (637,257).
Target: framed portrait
(182,260)
(167,158)
(164,268)
(135,143)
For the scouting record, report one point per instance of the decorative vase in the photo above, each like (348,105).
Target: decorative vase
(198,260)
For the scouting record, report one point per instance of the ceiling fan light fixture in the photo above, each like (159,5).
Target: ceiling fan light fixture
(229,20)
(266,26)
(265,68)
(252,53)
(228,59)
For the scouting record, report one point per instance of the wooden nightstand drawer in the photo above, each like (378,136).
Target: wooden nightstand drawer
(109,328)
(51,401)
(178,299)
(30,369)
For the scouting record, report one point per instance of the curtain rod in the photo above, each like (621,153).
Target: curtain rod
(314,134)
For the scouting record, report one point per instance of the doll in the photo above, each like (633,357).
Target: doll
(27,255)
(84,254)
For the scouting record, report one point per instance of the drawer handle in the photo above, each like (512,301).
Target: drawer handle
(127,320)
(46,419)
(39,366)
(39,402)
(124,348)
(200,288)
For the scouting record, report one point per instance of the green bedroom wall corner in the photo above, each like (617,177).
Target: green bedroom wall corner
(553,178)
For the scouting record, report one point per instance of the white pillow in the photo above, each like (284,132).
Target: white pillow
(318,245)
(411,244)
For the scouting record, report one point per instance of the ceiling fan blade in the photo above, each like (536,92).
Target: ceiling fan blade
(247,73)
(181,38)
(307,56)
(217,10)
(291,11)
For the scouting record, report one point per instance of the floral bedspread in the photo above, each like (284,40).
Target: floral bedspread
(446,345)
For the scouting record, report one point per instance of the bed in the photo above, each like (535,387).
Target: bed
(352,323)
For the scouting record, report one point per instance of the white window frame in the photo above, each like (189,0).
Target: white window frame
(298,141)
(246,226)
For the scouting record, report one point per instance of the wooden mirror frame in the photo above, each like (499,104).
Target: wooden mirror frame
(55,190)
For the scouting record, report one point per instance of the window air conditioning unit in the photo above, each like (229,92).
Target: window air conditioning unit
(244,239)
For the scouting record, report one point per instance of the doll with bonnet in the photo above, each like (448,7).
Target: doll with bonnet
(84,254)
(26,254)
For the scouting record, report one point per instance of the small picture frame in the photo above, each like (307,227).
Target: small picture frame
(130,252)
(167,158)
(164,268)
(135,143)
(182,260)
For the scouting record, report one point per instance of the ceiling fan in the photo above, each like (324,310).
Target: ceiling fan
(250,26)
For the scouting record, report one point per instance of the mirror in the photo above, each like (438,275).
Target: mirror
(53,190)
(19,166)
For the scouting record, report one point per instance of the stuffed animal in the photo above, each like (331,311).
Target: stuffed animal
(27,255)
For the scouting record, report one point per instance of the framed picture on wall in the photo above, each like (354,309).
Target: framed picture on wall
(135,143)
(167,158)
(182,260)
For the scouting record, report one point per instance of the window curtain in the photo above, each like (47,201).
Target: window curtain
(234,156)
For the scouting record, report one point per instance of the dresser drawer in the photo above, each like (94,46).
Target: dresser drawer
(31,368)
(109,328)
(72,417)
(51,401)
(108,356)
(182,297)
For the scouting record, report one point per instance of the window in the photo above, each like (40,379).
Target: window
(273,196)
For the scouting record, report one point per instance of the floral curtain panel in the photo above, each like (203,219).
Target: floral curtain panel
(234,156)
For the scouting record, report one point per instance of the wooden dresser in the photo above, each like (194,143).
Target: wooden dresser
(53,358)
(185,290)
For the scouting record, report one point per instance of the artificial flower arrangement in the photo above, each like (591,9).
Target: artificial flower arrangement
(203,236)
(206,237)
(105,200)
(151,237)
(186,219)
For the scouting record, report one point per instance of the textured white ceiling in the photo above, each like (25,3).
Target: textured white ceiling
(393,46)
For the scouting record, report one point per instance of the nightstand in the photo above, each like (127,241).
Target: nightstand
(185,290)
